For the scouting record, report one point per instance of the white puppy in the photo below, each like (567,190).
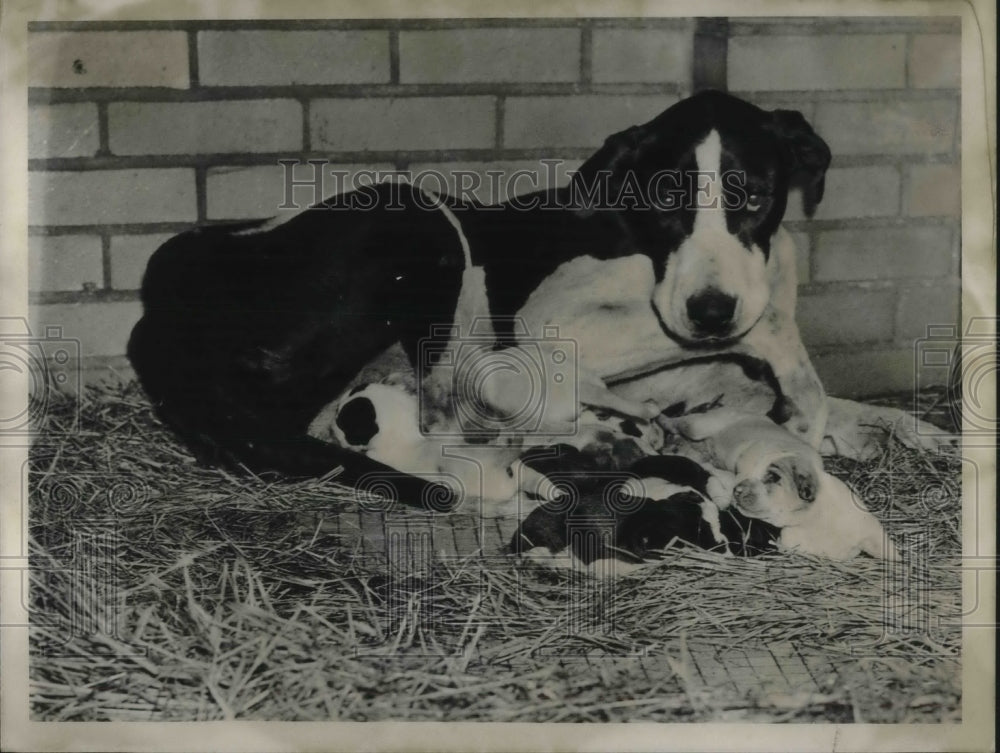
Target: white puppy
(780,479)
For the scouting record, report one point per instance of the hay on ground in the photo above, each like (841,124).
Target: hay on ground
(162,590)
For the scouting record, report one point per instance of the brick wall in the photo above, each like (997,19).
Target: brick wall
(879,262)
(139,130)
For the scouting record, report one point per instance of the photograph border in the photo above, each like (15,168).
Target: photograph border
(978,269)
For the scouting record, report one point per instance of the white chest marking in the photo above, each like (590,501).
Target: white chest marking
(604,306)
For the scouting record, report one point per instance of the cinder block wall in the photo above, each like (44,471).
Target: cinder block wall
(137,131)
(879,262)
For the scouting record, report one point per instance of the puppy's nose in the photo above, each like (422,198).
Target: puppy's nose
(711,312)
(743,493)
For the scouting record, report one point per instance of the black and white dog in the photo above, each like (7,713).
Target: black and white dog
(667,246)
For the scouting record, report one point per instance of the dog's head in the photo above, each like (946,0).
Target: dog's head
(775,490)
(702,189)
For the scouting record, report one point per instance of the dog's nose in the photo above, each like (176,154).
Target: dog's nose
(743,493)
(711,312)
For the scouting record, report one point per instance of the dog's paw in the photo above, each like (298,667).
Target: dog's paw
(863,431)
(920,435)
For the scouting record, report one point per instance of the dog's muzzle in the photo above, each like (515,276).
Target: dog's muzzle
(744,497)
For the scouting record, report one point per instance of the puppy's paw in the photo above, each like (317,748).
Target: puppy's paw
(720,488)
(533,484)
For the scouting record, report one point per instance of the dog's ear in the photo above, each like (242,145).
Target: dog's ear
(806,154)
(358,420)
(599,180)
(806,481)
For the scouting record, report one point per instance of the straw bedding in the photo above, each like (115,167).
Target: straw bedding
(162,590)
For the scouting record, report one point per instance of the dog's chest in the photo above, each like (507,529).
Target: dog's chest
(604,306)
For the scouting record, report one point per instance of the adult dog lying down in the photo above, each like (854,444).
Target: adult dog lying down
(666,247)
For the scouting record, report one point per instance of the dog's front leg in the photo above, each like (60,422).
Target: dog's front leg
(802,402)
(594,392)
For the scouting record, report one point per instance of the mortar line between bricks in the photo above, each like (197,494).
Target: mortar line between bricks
(194,72)
(139,228)
(55,95)
(892,160)
(499,114)
(907,52)
(817,226)
(394,56)
(743,27)
(103,131)
(48,297)
(901,173)
(110,161)
(796,96)
(106,260)
(150,228)
(306,104)
(904,185)
(402,24)
(248,159)
(840,287)
(866,223)
(201,191)
(587,55)
(709,54)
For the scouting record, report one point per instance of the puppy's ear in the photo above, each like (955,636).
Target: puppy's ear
(357,419)
(806,155)
(806,481)
(599,180)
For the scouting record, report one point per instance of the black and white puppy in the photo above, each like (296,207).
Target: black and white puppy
(667,245)
(615,522)
(381,421)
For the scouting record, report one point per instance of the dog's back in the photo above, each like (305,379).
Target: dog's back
(249,330)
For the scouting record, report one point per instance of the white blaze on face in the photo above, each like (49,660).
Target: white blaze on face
(712,258)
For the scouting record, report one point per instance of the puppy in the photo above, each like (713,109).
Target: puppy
(382,420)
(617,521)
(780,480)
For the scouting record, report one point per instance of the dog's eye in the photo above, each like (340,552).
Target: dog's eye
(668,200)
(754,202)
(771,478)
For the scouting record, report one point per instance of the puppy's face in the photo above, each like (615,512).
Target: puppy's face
(776,494)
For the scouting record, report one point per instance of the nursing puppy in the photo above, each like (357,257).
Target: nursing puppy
(613,522)
(382,421)
(780,480)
